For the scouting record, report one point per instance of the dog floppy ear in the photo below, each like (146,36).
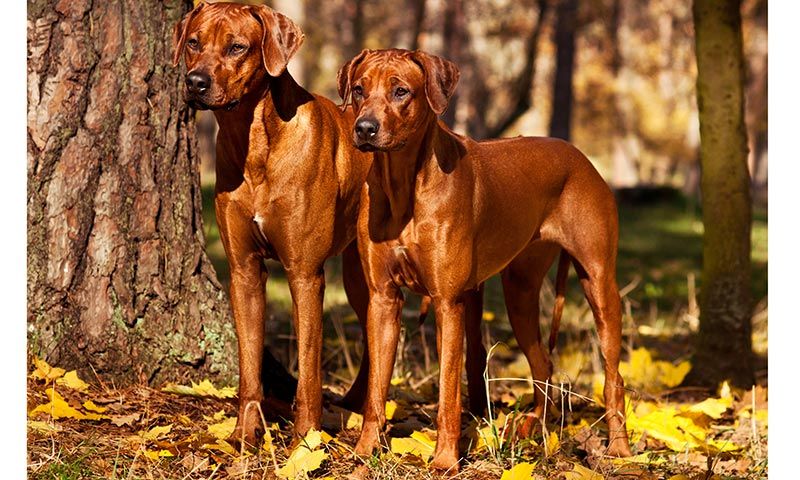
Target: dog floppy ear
(280,39)
(180,32)
(344,78)
(441,77)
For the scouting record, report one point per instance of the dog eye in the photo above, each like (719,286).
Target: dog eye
(357,90)
(400,92)
(238,48)
(193,43)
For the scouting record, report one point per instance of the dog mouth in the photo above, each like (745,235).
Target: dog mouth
(198,104)
(369,146)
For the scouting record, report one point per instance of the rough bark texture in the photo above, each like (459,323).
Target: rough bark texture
(566,24)
(118,280)
(724,345)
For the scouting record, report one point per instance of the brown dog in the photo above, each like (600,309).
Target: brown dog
(288,188)
(441,213)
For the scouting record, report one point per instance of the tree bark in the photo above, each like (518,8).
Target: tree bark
(723,343)
(118,280)
(566,24)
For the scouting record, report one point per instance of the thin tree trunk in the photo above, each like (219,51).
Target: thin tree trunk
(118,280)
(523,86)
(625,143)
(566,24)
(723,346)
(453,37)
(419,21)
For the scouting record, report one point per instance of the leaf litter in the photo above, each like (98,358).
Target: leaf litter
(181,431)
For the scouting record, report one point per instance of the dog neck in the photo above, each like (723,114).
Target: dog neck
(397,174)
(247,132)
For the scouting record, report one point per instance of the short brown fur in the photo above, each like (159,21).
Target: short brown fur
(288,187)
(441,213)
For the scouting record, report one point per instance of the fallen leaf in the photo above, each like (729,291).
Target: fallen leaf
(418,444)
(713,407)
(552,445)
(44,427)
(44,371)
(57,408)
(122,420)
(71,380)
(202,389)
(305,457)
(395,411)
(223,429)
(156,454)
(520,471)
(579,472)
(641,371)
(206,388)
(89,405)
(156,432)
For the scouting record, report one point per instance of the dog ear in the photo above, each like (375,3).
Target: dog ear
(441,77)
(280,39)
(345,77)
(180,32)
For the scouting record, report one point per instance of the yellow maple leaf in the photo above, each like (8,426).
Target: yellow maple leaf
(552,445)
(395,411)
(488,316)
(206,388)
(57,408)
(156,454)
(156,432)
(713,407)
(44,371)
(305,457)
(666,424)
(44,427)
(202,389)
(579,472)
(71,380)
(223,429)
(90,406)
(641,371)
(418,444)
(520,471)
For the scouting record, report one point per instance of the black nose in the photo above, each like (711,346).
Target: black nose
(197,82)
(366,128)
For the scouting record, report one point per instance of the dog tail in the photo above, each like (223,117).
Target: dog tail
(424,308)
(561,286)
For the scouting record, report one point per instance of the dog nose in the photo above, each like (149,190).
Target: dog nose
(197,82)
(366,128)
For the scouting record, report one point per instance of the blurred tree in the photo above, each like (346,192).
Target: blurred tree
(453,37)
(118,281)
(566,24)
(518,89)
(724,346)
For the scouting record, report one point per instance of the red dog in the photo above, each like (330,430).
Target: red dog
(441,213)
(288,188)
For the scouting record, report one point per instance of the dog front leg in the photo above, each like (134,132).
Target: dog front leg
(450,324)
(307,290)
(248,300)
(383,331)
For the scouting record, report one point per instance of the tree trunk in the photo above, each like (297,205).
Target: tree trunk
(566,25)
(723,344)
(452,36)
(118,280)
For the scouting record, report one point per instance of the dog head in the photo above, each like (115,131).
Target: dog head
(395,94)
(230,49)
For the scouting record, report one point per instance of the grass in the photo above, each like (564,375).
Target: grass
(660,248)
